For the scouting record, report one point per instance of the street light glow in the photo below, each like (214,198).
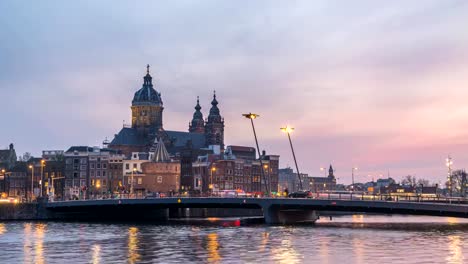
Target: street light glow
(287,129)
(250,115)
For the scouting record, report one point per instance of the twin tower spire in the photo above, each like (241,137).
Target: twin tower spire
(212,127)
(197,125)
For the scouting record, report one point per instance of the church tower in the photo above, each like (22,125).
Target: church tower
(147,108)
(214,126)
(198,124)
(331,174)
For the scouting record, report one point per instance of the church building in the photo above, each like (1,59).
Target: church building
(147,125)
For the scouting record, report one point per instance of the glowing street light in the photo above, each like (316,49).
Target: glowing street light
(252,116)
(31,167)
(213,169)
(352,176)
(288,131)
(42,177)
(449,163)
(324,171)
(131,181)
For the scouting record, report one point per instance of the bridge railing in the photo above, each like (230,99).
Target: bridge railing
(321,196)
(390,197)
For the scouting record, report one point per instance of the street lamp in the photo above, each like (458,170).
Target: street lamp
(352,177)
(42,176)
(213,169)
(131,182)
(252,117)
(449,163)
(4,180)
(324,171)
(265,167)
(32,180)
(288,131)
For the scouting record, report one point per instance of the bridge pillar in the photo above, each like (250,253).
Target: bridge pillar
(274,215)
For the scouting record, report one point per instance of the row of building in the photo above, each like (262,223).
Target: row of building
(145,157)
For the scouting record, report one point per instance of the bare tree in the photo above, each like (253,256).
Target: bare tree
(409,180)
(26,157)
(423,182)
(459,182)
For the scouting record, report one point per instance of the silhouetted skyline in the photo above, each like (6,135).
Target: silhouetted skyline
(377,85)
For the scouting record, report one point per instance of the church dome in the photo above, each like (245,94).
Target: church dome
(147,95)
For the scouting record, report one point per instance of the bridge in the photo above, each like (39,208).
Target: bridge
(275,210)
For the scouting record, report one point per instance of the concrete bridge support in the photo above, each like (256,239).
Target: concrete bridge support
(274,215)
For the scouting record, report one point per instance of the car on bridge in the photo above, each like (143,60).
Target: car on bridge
(300,194)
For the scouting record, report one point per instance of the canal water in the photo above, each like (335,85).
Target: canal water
(344,239)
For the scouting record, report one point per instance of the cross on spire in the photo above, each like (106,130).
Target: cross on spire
(147,68)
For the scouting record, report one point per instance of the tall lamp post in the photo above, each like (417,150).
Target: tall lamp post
(4,180)
(265,167)
(42,177)
(131,182)
(352,177)
(288,131)
(213,169)
(449,163)
(32,181)
(252,117)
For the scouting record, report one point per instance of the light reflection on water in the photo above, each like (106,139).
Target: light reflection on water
(133,255)
(347,239)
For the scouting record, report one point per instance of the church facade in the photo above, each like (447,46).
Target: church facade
(147,125)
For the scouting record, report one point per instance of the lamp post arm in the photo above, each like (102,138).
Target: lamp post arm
(259,157)
(295,161)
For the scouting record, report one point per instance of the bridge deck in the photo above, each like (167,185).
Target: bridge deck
(385,207)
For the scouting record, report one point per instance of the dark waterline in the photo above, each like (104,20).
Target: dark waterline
(345,239)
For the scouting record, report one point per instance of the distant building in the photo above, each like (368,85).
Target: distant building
(18,181)
(87,170)
(54,155)
(323,184)
(147,125)
(160,174)
(288,180)
(236,169)
(7,157)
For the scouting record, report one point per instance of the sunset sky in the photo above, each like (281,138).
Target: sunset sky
(381,85)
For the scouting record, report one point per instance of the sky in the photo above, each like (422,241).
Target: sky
(378,85)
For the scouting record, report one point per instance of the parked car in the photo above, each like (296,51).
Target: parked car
(300,194)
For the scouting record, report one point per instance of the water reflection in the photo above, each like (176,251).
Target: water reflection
(2,229)
(285,253)
(455,248)
(213,248)
(96,254)
(395,241)
(264,242)
(39,232)
(27,243)
(133,255)
(324,249)
(358,249)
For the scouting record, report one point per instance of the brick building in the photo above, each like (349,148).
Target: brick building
(237,169)
(160,174)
